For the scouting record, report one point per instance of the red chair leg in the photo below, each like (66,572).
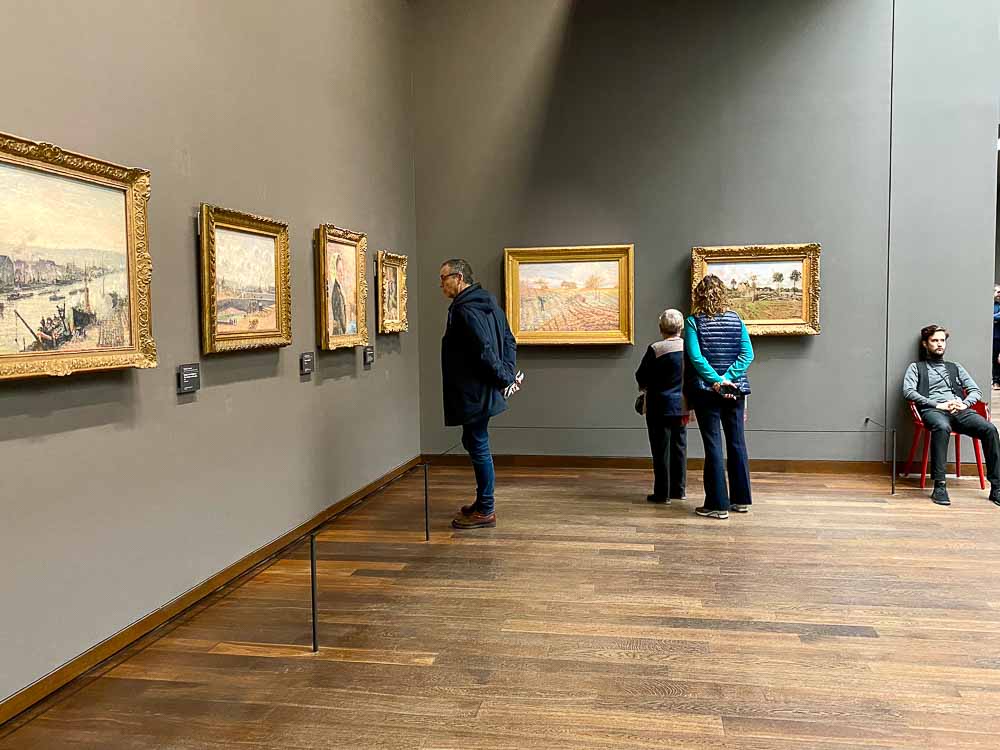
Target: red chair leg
(958,456)
(923,461)
(977,447)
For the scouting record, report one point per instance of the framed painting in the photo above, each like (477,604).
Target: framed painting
(392,293)
(570,295)
(341,287)
(75,268)
(774,288)
(246,293)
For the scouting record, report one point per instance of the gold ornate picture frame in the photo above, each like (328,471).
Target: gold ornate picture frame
(570,295)
(75,268)
(774,288)
(392,317)
(341,287)
(246,291)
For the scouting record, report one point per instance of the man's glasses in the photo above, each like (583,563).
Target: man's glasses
(449,275)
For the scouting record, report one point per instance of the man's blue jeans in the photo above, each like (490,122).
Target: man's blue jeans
(476,441)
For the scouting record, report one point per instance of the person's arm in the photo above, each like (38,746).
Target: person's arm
(910,389)
(509,347)
(996,312)
(972,392)
(738,368)
(642,374)
(492,366)
(693,349)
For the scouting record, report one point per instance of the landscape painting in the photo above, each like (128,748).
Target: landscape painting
(392,315)
(774,288)
(569,296)
(72,237)
(572,295)
(761,290)
(245,282)
(341,286)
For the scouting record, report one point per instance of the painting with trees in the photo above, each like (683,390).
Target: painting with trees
(774,288)
(570,295)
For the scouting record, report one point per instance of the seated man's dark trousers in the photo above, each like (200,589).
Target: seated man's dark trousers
(968,422)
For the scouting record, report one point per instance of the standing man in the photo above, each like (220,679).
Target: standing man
(943,392)
(478,369)
(996,335)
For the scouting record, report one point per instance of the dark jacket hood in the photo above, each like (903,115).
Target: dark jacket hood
(476,297)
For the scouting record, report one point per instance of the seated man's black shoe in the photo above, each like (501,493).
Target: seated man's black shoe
(995,494)
(940,494)
(658,499)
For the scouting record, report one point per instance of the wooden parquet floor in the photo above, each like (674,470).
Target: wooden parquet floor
(833,616)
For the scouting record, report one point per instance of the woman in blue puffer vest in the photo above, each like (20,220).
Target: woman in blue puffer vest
(719,352)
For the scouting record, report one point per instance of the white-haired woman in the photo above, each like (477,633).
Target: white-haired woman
(661,376)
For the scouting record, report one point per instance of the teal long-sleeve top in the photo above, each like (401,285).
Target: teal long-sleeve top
(701,365)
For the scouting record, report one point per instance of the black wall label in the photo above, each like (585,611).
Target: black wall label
(307,363)
(188,378)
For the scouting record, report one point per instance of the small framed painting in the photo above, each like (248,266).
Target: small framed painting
(774,288)
(392,293)
(341,287)
(570,295)
(246,293)
(75,268)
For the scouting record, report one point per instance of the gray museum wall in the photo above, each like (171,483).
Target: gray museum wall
(944,166)
(673,124)
(117,495)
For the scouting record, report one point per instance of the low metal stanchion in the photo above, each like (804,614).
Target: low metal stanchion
(427,507)
(894,461)
(312,566)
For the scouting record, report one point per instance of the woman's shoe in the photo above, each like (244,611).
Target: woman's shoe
(722,515)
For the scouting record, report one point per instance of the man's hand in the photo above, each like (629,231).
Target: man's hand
(514,387)
(952,406)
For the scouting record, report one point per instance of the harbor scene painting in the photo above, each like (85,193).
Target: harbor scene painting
(64,272)
(244,281)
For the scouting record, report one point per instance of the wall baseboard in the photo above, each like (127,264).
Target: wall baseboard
(42,688)
(788,466)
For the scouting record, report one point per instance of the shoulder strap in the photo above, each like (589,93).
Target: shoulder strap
(923,386)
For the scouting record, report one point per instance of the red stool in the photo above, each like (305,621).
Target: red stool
(920,431)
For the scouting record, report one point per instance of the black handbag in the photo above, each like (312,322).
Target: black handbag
(640,404)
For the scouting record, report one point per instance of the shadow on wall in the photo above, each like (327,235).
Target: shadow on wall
(239,367)
(37,408)
(337,364)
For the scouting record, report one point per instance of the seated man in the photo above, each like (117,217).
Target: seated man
(943,393)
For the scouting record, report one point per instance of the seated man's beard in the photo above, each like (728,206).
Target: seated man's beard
(934,356)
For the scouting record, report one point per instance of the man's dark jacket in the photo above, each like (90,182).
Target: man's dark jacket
(478,357)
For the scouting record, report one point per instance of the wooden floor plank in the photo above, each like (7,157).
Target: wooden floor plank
(832,616)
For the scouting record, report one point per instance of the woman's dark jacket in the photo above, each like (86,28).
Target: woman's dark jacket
(661,375)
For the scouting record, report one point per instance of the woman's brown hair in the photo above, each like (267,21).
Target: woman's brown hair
(710,296)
